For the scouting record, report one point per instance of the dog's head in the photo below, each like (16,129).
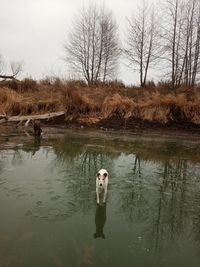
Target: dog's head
(102,177)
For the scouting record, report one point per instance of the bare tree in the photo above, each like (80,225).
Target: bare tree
(192,55)
(172,36)
(15,66)
(2,64)
(142,38)
(196,49)
(181,40)
(92,48)
(110,47)
(189,43)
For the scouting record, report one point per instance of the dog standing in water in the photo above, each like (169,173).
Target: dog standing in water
(101,184)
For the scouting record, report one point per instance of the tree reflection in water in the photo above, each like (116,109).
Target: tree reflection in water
(158,190)
(79,162)
(166,207)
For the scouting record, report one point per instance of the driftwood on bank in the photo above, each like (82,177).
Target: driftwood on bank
(8,77)
(5,77)
(27,118)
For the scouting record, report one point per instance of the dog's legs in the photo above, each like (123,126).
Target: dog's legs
(97,192)
(105,194)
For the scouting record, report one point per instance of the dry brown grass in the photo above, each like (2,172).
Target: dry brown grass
(13,103)
(101,101)
(158,107)
(118,105)
(80,102)
(9,101)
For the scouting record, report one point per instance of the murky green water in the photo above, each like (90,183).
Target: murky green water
(49,215)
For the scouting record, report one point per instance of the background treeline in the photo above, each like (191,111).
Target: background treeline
(164,37)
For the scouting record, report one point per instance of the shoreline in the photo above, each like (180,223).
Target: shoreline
(115,127)
(106,106)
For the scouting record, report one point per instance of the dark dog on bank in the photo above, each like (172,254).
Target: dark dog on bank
(100,220)
(37,128)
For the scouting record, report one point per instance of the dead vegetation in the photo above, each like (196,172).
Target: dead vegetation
(91,105)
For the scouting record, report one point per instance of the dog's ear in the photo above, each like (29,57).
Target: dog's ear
(105,175)
(98,174)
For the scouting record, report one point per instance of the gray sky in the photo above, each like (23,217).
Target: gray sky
(34,31)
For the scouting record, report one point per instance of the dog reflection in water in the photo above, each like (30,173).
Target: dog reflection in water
(100,220)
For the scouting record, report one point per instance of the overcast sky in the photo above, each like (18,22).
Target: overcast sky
(34,31)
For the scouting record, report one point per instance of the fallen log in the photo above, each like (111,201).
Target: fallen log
(7,77)
(46,116)
(3,120)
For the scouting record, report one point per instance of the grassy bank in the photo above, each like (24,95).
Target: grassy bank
(103,103)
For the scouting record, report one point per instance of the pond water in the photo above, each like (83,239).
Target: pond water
(49,215)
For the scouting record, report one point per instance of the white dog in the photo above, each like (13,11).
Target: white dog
(101,184)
